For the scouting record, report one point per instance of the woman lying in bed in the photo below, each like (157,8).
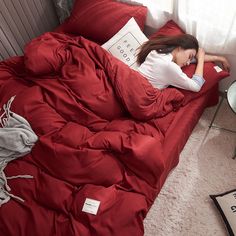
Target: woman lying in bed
(162,58)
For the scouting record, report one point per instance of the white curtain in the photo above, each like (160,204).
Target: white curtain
(213,23)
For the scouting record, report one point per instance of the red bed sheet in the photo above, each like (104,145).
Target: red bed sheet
(104,134)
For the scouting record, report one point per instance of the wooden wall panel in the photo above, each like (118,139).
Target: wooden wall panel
(21,21)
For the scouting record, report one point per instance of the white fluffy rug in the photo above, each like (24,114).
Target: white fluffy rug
(183,207)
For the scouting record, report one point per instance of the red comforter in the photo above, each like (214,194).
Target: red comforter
(100,135)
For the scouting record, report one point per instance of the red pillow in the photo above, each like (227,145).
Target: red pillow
(100,20)
(210,74)
(170,28)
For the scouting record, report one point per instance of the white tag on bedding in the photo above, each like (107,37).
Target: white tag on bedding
(91,206)
(218,69)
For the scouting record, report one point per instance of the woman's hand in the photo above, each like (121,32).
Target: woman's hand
(225,63)
(221,59)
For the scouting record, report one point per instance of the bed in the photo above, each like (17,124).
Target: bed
(107,139)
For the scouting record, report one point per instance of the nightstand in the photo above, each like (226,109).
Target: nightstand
(231,96)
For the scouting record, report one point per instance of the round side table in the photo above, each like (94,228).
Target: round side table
(231,98)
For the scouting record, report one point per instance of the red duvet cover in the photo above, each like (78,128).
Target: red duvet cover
(101,129)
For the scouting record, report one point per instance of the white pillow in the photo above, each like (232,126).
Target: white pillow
(125,43)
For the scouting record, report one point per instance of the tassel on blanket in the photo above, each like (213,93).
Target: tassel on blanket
(16,140)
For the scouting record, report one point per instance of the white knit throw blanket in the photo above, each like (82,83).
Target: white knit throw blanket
(16,140)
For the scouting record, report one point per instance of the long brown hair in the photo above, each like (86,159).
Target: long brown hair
(166,44)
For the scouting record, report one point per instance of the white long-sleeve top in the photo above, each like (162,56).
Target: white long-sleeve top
(162,72)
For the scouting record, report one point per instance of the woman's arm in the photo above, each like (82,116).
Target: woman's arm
(216,58)
(200,62)
(176,77)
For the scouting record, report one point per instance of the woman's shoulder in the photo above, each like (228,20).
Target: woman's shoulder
(172,68)
(159,58)
(164,56)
